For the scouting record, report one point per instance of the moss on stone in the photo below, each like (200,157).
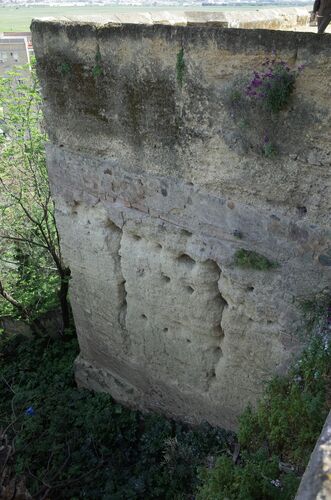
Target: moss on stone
(180,67)
(253,260)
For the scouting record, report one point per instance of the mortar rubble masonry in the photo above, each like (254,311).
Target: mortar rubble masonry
(155,194)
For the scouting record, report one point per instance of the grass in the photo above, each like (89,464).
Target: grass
(252,260)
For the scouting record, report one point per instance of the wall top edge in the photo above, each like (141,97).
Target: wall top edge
(180,18)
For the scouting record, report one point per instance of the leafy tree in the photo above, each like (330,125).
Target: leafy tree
(32,266)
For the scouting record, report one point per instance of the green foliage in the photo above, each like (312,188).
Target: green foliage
(32,272)
(65,68)
(180,67)
(291,415)
(255,480)
(84,444)
(314,308)
(283,429)
(280,87)
(97,69)
(269,150)
(253,260)
(31,278)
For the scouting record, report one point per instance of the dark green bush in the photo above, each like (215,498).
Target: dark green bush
(291,414)
(84,445)
(277,438)
(257,479)
(72,443)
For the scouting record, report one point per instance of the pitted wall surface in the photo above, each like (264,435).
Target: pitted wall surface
(155,192)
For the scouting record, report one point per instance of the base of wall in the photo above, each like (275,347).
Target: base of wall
(151,395)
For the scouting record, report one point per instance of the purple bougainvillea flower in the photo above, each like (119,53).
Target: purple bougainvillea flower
(256,82)
(30,412)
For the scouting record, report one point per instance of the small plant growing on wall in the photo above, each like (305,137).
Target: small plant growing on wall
(272,86)
(180,66)
(97,69)
(65,68)
(252,260)
(256,104)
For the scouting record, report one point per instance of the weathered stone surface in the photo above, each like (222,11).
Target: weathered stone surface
(316,481)
(152,189)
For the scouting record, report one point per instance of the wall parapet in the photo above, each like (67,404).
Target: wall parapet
(272,18)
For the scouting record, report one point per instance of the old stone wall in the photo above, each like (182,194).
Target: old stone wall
(159,179)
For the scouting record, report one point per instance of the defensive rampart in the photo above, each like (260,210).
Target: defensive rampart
(164,178)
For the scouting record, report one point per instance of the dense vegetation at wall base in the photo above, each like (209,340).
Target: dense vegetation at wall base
(72,443)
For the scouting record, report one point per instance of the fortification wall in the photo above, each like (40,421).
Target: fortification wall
(158,179)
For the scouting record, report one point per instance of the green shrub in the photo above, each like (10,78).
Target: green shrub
(277,438)
(253,260)
(65,68)
(290,416)
(83,444)
(255,479)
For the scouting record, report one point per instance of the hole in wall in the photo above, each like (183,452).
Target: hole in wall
(250,289)
(165,278)
(136,237)
(144,316)
(186,233)
(109,224)
(302,210)
(188,341)
(158,246)
(189,289)
(213,267)
(218,331)
(122,313)
(186,260)
(166,329)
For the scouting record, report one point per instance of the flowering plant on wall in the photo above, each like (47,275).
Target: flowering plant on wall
(273,85)
(256,104)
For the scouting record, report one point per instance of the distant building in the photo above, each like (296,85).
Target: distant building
(25,34)
(15,50)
